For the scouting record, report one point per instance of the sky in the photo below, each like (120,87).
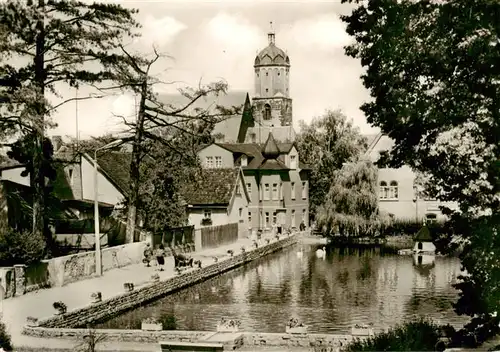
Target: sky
(209,41)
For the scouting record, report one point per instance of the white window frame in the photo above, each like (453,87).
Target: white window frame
(293,162)
(209,162)
(275,194)
(294,221)
(275,218)
(267,192)
(207,213)
(266,219)
(218,162)
(293,190)
(304,189)
(249,190)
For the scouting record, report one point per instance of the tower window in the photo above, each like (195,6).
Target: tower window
(278,73)
(257,75)
(267,111)
(267,73)
(267,90)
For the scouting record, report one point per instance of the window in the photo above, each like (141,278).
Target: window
(209,162)
(267,90)
(266,191)
(304,215)
(218,161)
(267,111)
(293,190)
(250,217)
(244,160)
(293,161)
(240,211)
(249,190)
(267,73)
(304,190)
(278,73)
(393,192)
(383,190)
(281,191)
(238,190)
(267,219)
(275,218)
(275,191)
(207,214)
(430,218)
(293,218)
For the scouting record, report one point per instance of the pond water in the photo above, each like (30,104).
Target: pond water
(348,286)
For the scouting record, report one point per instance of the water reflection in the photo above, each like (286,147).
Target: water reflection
(348,286)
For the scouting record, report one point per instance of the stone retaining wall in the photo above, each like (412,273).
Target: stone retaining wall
(129,300)
(249,338)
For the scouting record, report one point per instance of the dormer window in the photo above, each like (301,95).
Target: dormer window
(293,161)
(244,160)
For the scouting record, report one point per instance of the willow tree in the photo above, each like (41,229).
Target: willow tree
(351,205)
(45,46)
(326,143)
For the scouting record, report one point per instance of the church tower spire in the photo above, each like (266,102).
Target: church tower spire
(270,34)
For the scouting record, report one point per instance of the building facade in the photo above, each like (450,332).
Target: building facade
(261,142)
(397,189)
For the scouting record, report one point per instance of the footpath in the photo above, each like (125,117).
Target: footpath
(38,304)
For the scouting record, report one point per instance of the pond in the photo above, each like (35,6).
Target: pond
(347,287)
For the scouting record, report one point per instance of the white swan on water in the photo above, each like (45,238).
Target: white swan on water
(321,253)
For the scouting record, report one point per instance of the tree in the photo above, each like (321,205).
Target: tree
(351,205)
(430,67)
(431,70)
(161,122)
(326,144)
(47,44)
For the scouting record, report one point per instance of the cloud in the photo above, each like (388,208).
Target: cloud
(325,32)
(124,106)
(160,31)
(233,31)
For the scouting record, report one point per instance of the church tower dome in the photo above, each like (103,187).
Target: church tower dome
(273,106)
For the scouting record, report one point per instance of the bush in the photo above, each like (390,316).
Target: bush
(21,248)
(5,342)
(421,335)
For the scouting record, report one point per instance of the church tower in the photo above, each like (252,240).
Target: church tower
(272,105)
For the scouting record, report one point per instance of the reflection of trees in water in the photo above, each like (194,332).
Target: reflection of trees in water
(349,286)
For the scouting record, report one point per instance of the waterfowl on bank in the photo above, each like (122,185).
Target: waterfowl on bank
(321,253)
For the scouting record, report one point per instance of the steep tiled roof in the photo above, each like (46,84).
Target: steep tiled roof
(116,167)
(273,164)
(211,186)
(270,149)
(423,235)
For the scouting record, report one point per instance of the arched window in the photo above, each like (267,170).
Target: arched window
(419,246)
(393,190)
(267,112)
(383,190)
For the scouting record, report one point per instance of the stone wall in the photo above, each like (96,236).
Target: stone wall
(113,306)
(249,338)
(76,267)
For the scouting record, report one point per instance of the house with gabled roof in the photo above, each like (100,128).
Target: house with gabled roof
(217,196)
(275,179)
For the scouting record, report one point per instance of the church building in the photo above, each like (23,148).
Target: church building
(262,143)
